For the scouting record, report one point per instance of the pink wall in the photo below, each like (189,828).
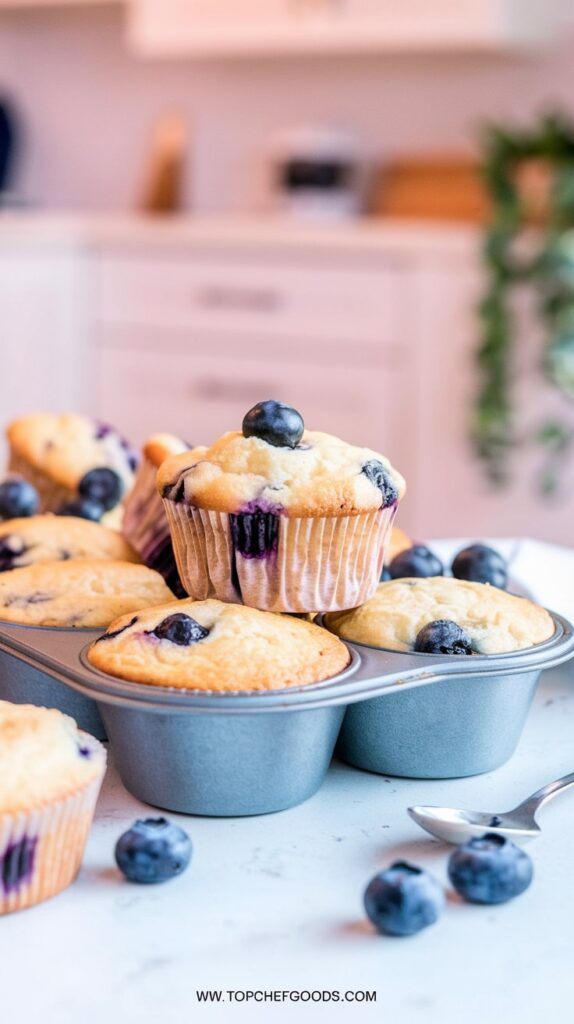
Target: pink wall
(88,105)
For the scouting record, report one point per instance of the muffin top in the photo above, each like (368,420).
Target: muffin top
(161,446)
(54,538)
(43,757)
(80,593)
(496,622)
(271,466)
(66,447)
(209,645)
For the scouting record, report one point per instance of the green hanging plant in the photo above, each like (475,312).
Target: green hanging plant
(549,269)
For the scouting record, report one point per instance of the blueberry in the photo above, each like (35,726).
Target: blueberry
(380,478)
(152,851)
(403,899)
(385,575)
(416,561)
(102,485)
(490,869)
(443,636)
(481,564)
(83,508)
(180,629)
(278,424)
(17,498)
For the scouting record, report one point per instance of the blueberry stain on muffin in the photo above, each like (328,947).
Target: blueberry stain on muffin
(278,424)
(180,629)
(17,864)
(443,636)
(380,478)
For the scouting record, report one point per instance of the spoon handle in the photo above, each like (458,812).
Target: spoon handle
(532,803)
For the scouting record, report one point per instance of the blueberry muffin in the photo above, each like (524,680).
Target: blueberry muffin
(73,462)
(87,593)
(51,538)
(209,645)
(440,615)
(278,517)
(50,777)
(144,524)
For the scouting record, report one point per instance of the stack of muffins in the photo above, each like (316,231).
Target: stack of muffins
(272,518)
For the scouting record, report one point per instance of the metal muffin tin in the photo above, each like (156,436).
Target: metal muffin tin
(468,722)
(228,754)
(23,680)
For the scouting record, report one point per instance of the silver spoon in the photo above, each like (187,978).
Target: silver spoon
(456,826)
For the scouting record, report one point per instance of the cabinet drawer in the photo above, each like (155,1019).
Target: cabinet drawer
(199,398)
(258,298)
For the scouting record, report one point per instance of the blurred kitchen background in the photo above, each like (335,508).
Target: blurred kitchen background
(206,203)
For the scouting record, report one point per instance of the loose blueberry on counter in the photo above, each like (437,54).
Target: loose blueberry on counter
(481,564)
(17,498)
(153,850)
(443,636)
(379,476)
(403,899)
(278,424)
(83,508)
(490,869)
(415,561)
(102,485)
(180,629)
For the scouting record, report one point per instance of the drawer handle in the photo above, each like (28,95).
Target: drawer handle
(260,300)
(215,389)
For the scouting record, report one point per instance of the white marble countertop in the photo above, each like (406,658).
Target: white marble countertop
(275,903)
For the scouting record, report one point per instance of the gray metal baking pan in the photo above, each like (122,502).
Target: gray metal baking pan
(253,753)
(467,723)
(24,681)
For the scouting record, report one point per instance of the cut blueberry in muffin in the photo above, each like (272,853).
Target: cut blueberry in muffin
(443,636)
(255,534)
(278,424)
(11,548)
(103,486)
(481,564)
(379,477)
(18,498)
(180,629)
(416,561)
(17,864)
(83,508)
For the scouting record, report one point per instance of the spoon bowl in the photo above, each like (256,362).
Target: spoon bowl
(456,825)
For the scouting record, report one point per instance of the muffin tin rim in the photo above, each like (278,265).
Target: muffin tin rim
(372,673)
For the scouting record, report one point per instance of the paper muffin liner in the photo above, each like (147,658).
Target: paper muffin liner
(41,850)
(51,494)
(145,527)
(329,563)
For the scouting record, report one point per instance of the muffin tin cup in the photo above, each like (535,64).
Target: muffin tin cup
(327,562)
(466,723)
(24,682)
(228,754)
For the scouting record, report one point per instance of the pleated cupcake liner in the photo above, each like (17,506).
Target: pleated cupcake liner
(145,527)
(41,850)
(329,563)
